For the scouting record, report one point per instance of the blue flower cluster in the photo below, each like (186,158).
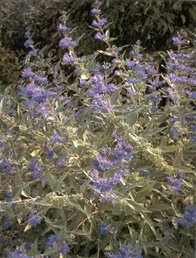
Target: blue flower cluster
(20,253)
(51,240)
(189,217)
(64,248)
(125,252)
(176,184)
(104,162)
(33,220)
(36,169)
(103,228)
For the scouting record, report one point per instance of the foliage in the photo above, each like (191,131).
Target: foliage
(10,67)
(97,159)
(153,22)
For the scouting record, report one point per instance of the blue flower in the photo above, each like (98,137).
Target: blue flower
(29,245)
(40,80)
(50,154)
(125,252)
(28,42)
(103,228)
(51,240)
(33,220)
(178,42)
(66,42)
(69,59)
(95,11)
(9,197)
(33,166)
(64,248)
(62,29)
(61,163)
(193,94)
(99,23)
(27,33)
(189,217)
(20,253)
(100,36)
(27,73)
(33,52)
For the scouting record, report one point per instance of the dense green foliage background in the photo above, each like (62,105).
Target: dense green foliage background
(152,22)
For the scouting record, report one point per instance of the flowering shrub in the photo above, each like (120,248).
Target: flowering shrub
(99,163)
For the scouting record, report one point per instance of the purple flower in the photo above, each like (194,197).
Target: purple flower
(33,166)
(64,248)
(37,175)
(33,220)
(100,36)
(6,220)
(99,23)
(125,252)
(39,80)
(95,11)
(83,83)
(150,70)
(20,253)
(3,241)
(103,228)
(57,138)
(33,52)
(130,94)
(28,42)
(102,164)
(189,217)
(27,73)
(176,184)
(29,245)
(51,240)
(69,59)
(177,41)
(133,81)
(27,33)
(62,29)
(50,154)
(61,163)
(66,42)
(8,168)
(193,94)
(174,133)
(9,197)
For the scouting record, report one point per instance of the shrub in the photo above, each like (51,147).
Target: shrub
(97,159)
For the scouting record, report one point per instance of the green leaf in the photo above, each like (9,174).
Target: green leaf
(115,96)
(91,63)
(3,125)
(19,188)
(151,132)
(33,251)
(149,222)
(159,207)
(144,192)
(41,202)
(58,184)
(51,180)
(84,186)
(3,104)
(169,148)
(131,116)
(81,131)
(137,207)
(77,206)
